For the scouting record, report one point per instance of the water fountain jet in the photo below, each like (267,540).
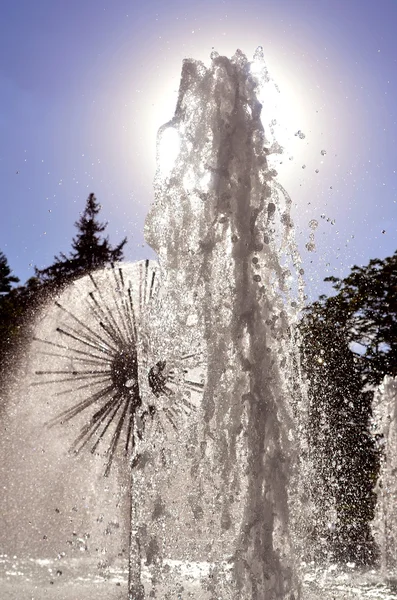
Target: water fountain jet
(222,229)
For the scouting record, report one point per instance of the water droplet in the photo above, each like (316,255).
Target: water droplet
(258,55)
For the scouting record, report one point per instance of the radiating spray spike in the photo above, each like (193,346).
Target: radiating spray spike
(89,430)
(188,404)
(192,355)
(146,280)
(74,373)
(79,387)
(108,424)
(80,406)
(97,341)
(84,338)
(167,413)
(83,341)
(131,306)
(152,285)
(140,287)
(183,408)
(168,391)
(75,350)
(80,322)
(68,357)
(109,331)
(98,419)
(120,310)
(194,385)
(130,436)
(114,441)
(103,319)
(121,277)
(108,311)
(65,380)
(130,324)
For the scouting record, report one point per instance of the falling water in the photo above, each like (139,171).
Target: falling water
(222,229)
(385,524)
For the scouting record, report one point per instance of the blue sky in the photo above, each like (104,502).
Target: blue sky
(84,85)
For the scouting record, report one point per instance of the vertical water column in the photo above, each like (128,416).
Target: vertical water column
(223,233)
(385,523)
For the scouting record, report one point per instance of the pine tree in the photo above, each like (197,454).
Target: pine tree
(90,250)
(6,279)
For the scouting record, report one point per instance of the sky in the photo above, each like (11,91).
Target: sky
(85,85)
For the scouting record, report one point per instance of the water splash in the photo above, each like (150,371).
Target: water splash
(222,228)
(385,524)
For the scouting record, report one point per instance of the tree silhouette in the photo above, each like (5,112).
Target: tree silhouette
(342,449)
(90,250)
(6,279)
(349,345)
(365,308)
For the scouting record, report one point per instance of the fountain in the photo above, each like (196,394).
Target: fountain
(187,368)
(222,230)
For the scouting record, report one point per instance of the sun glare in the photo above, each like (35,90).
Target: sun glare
(168,149)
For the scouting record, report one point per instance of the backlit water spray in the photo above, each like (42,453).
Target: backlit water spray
(221,226)
(185,371)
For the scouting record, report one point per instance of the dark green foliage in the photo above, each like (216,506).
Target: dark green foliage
(341,447)
(349,345)
(7,308)
(90,250)
(6,279)
(365,307)
(16,308)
